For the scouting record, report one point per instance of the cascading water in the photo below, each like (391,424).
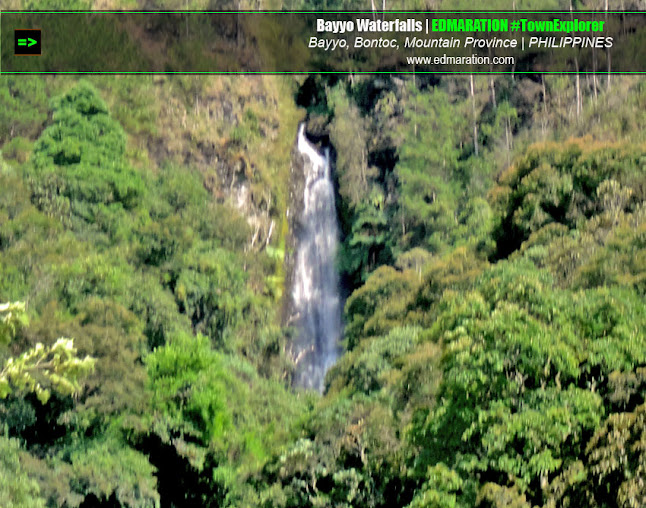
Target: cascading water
(315,287)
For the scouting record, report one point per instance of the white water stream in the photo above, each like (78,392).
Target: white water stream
(315,288)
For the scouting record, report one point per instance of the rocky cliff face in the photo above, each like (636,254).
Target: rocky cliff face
(236,132)
(294,214)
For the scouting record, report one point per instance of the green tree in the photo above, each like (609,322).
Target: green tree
(440,489)
(211,289)
(201,401)
(17,488)
(347,134)
(79,170)
(522,366)
(617,460)
(368,244)
(23,107)
(379,305)
(556,183)
(40,369)
(105,469)
(428,162)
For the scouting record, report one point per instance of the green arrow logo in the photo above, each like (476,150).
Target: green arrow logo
(23,42)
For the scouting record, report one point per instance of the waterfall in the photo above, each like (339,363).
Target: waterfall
(315,289)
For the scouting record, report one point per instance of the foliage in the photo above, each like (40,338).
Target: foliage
(563,184)
(200,402)
(108,470)
(617,459)
(78,163)
(440,489)
(12,317)
(210,288)
(40,369)
(126,261)
(522,368)
(43,369)
(367,368)
(427,164)
(492,262)
(17,489)
(347,132)
(368,245)
(23,108)
(379,304)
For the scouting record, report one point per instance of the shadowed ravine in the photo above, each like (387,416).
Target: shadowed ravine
(315,288)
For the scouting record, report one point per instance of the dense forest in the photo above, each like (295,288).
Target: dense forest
(493,259)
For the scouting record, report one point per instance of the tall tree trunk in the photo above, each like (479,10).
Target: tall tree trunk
(594,73)
(609,67)
(578,88)
(578,78)
(473,110)
(415,107)
(492,83)
(608,53)
(545,113)
(507,137)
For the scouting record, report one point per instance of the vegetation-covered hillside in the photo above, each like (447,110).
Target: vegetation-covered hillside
(493,256)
